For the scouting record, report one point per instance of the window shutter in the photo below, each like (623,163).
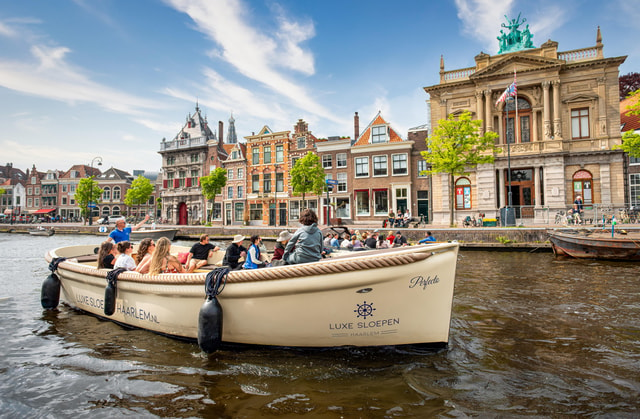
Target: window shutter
(188,182)
(164,184)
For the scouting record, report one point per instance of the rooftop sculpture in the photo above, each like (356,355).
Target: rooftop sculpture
(516,39)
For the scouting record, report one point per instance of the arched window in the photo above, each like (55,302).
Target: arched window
(463,193)
(104,211)
(524,115)
(106,193)
(115,211)
(582,186)
(116,193)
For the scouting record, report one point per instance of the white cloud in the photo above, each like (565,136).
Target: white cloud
(482,19)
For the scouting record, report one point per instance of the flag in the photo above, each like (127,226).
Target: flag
(510,91)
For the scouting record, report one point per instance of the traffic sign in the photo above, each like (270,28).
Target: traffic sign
(332,182)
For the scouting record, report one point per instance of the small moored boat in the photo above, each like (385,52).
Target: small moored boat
(596,245)
(42,231)
(154,234)
(385,297)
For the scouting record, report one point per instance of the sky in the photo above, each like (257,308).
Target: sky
(81,79)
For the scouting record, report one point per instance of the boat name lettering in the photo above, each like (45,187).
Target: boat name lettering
(364,325)
(90,301)
(139,313)
(419,281)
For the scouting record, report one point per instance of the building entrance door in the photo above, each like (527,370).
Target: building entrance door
(182,214)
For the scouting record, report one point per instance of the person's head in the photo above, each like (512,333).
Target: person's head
(255,239)
(123,246)
(382,238)
(121,224)
(398,233)
(238,239)
(105,249)
(308,217)
(146,246)
(204,238)
(285,236)
(428,233)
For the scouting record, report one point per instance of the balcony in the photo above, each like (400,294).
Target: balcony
(183,144)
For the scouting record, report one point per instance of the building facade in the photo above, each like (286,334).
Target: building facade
(558,147)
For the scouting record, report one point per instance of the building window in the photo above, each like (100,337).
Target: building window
(106,193)
(580,123)
(342,182)
(381,202)
(634,160)
(399,164)
(343,208)
(229,192)
(267,182)
(279,182)
(255,155)
(255,212)
(341,160)
(362,202)
(422,167)
(29,202)
(171,160)
(463,193)
(37,202)
(217,210)
(524,114)
(36,190)
(238,211)
(240,192)
(301,142)
(194,177)
(380,166)
(294,210)
(279,153)
(362,167)
(116,193)
(229,174)
(327,162)
(255,183)
(634,185)
(379,134)
(582,182)
(194,158)
(29,191)
(267,154)
(240,173)
(33,180)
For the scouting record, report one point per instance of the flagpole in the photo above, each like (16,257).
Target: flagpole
(509,156)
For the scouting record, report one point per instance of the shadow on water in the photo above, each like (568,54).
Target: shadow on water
(530,336)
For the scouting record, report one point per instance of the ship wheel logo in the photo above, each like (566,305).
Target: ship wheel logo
(365,310)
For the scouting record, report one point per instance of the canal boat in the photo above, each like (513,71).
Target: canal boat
(590,244)
(154,234)
(371,298)
(42,231)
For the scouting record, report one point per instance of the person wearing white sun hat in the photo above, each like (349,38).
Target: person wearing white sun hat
(235,252)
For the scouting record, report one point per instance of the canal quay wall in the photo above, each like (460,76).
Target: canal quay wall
(480,238)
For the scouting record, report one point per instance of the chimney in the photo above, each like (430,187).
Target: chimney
(356,126)
(220,131)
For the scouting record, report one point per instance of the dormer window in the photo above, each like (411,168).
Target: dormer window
(379,134)
(301,142)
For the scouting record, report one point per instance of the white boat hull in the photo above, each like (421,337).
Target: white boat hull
(400,296)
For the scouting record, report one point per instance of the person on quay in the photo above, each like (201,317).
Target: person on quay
(306,243)
(281,242)
(199,253)
(162,261)
(125,260)
(428,238)
(122,232)
(255,259)
(234,253)
(143,257)
(107,255)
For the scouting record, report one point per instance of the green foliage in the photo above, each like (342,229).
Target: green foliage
(503,239)
(455,147)
(631,140)
(307,176)
(139,192)
(87,191)
(213,183)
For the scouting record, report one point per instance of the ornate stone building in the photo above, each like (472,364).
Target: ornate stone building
(568,120)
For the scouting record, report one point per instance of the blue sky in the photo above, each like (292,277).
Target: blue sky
(111,78)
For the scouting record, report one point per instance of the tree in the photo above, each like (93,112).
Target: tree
(455,147)
(630,139)
(307,176)
(212,184)
(139,192)
(87,191)
(628,83)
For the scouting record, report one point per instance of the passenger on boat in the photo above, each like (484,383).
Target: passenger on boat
(306,243)
(346,242)
(372,240)
(162,261)
(327,240)
(107,255)
(382,242)
(234,253)
(391,238)
(145,250)
(428,238)
(122,232)
(124,259)
(335,241)
(199,253)
(400,240)
(355,243)
(281,242)
(255,259)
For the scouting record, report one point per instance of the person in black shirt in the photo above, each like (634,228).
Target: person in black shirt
(235,251)
(199,253)
(372,240)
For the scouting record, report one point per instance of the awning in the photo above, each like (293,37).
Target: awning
(44,211)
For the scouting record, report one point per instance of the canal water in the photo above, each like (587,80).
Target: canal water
(530,336)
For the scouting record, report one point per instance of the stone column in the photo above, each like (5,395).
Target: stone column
(601,129)
(534,125)
(480,111)
(536,184)
(557,122)
(545,111)
(487,108)
(501,185)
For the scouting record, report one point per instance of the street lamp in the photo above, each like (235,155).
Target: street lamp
(275,219)
(99,159)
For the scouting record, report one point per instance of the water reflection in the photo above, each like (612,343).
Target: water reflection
(530,336)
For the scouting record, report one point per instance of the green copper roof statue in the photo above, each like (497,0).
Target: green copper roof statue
(515,40)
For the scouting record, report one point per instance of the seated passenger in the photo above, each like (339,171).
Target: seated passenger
(306,243)
(125,260)
(162,261)
(107,255)
(235,251)
(145,250)
(281,242)
(199,253)
(255,259)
